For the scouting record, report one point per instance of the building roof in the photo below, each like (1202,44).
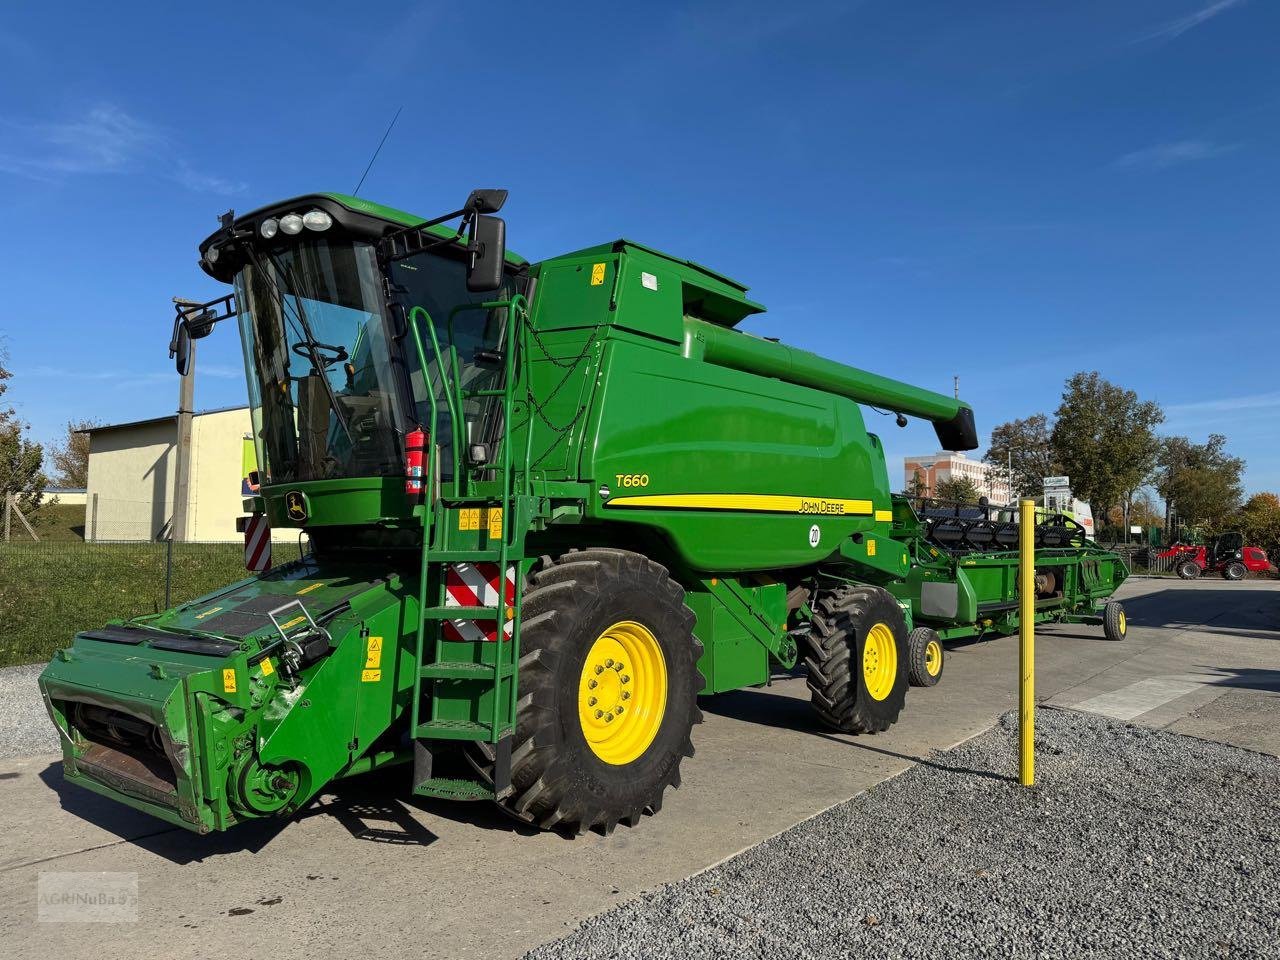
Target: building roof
(940,455)
(170,418)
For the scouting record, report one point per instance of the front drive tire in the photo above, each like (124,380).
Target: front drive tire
(1115,625)
(570,769)
(858,659)
(1188,570)
(925,657)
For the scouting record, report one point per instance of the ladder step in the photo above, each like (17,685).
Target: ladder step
(460,613)
(461,670)
(453,788)
(455,730)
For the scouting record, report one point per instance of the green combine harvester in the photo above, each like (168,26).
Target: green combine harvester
(549,506)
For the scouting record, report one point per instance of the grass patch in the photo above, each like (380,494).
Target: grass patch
(59,522)
(51,590)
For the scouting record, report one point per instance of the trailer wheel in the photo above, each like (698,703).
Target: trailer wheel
(1188,570)
(858,659)
(608,693)
(1235,571)
(1115,625)
(924,657)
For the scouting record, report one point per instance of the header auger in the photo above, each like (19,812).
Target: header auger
(549,505)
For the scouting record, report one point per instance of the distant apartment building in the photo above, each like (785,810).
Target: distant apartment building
(945,465)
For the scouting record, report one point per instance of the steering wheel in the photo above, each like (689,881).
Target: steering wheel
(305,350)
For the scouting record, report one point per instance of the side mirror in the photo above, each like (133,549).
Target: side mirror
(488,252)
(182,350)
(200,324)
(486,201)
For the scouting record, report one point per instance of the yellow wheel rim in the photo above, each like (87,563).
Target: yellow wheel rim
(622,693)
(879,661)
(1124,624)
(933,658)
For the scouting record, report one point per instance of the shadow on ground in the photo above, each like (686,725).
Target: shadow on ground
(377,808)
(789,713)
(1240,611)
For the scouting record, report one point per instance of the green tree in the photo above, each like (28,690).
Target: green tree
(1025,448)
(1143,511)
(917,486)
(70,459)
(961,489)
(1200,480)
(1259,521)
(1104,438)
(21,460)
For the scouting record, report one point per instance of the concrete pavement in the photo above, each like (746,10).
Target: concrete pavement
(369,872)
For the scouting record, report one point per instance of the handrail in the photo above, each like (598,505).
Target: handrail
(455,417)
(428,484)
(515,306)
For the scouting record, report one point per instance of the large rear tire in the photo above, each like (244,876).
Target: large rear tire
(1235,570)
(858,659)
(608,692)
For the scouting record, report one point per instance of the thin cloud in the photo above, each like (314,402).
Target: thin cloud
(104,139)
(1254,401)
(1176,28)
(206,183)
(1161,156)
(133,377)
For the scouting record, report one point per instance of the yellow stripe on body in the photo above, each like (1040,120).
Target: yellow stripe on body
(884,516)
(750,502)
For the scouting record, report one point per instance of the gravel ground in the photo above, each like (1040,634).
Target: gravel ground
(25,728)
(1135,843)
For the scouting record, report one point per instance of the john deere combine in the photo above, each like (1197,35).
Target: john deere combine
(549,505)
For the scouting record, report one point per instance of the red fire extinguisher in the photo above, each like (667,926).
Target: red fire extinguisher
(415,443)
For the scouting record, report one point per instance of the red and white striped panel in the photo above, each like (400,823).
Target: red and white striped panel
(257,543)
(476,585)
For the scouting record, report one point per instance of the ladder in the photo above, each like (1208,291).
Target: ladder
(468,640)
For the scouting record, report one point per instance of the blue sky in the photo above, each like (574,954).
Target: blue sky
(1003,191)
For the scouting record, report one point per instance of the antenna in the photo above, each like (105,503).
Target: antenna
(356,191)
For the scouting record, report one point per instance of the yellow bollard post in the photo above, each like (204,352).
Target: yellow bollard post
(1027,643)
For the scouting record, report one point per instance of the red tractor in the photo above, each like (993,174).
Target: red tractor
(1226,554)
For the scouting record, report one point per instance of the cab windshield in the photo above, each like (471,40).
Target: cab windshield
(318,361)
(331,390)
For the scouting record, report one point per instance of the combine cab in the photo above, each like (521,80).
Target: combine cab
(550,505)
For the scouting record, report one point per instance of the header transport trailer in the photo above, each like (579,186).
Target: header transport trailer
(549,505)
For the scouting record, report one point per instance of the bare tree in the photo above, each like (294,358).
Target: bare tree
(70,459)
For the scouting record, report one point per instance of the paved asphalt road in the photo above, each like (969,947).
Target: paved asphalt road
(369,872)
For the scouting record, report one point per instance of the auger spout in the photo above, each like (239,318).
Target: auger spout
(952,418)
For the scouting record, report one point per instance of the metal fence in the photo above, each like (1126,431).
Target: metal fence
(51,589)
(1143,560)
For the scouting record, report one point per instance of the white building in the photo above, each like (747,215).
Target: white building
(131,477)
(946,465)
